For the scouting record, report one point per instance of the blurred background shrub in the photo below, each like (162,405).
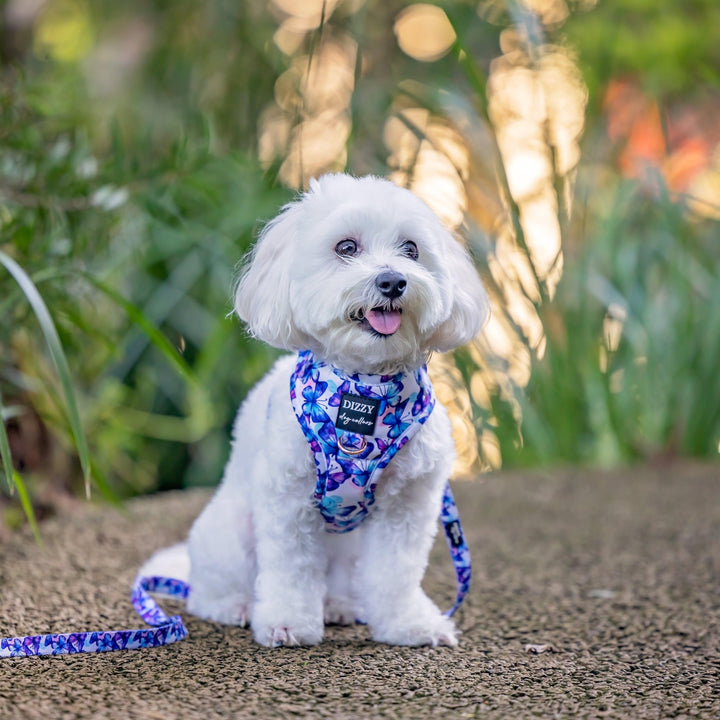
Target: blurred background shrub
(572,143)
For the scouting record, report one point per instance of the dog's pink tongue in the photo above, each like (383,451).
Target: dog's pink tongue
(386,322)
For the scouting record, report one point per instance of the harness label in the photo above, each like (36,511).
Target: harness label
(357,414)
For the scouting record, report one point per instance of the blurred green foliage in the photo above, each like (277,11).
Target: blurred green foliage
(131,184)
(672,47)
(629,371)
(129,220)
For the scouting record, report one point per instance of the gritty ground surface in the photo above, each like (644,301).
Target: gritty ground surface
(618,572)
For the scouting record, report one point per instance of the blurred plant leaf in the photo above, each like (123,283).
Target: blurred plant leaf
(156,337)
(14,480)
(5,454)
(58,357)
(27,506)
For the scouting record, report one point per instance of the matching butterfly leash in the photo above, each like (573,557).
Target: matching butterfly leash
(166,630)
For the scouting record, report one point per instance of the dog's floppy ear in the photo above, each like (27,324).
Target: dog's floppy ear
(470,304)
(262,296)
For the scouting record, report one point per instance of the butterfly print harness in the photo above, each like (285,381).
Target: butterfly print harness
(355,424)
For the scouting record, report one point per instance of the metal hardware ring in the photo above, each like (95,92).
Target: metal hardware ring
(350,450)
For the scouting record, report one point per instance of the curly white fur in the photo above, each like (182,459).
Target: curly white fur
(259,552)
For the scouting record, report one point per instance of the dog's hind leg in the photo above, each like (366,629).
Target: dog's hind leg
(222,560)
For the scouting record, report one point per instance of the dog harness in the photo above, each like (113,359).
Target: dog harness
(354,424)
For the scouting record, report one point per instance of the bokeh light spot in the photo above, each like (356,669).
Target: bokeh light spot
(424,32)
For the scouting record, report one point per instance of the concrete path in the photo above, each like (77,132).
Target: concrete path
(617,574)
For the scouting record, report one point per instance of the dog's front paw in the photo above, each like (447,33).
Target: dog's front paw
(280,629)
(435,629)
(285,635)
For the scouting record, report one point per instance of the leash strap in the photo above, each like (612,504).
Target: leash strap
(450,518)
(166,630)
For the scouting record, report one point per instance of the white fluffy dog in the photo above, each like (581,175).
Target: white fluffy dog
(361,273)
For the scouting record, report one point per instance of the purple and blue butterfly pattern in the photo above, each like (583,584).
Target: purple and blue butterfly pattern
(346,483)
(450,519)
(166,629)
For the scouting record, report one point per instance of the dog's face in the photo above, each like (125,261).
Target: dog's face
(361,272)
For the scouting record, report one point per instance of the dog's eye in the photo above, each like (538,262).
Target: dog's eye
(410,249)
(346,248)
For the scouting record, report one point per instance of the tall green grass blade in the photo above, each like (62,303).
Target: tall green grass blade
(58,357)
(141,320)
(105,489)
(5,450)
(200,419)
(27,506)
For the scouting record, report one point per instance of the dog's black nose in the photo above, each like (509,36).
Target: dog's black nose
(391,284)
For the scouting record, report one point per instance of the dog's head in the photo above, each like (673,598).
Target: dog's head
(361,272)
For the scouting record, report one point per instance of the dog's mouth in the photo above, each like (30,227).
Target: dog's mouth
(382,321)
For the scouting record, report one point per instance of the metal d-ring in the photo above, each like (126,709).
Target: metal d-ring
(351,450)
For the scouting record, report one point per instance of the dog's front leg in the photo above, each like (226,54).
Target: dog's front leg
(290,585)
(395,555)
